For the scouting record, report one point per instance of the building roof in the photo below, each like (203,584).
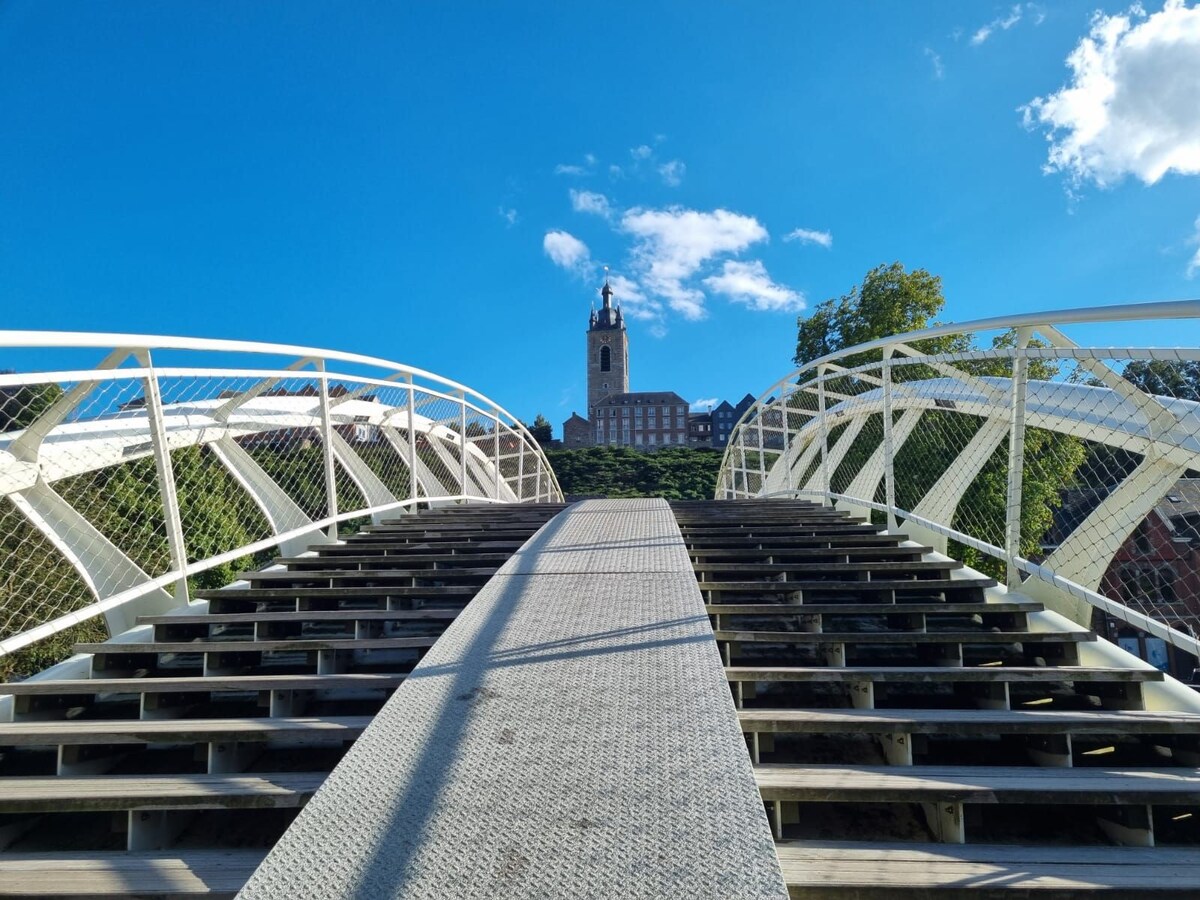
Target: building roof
(574,416)
(647,398)
(1179,510)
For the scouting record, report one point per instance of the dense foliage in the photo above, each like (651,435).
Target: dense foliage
(675,473)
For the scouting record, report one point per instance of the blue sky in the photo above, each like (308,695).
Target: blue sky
(402,179)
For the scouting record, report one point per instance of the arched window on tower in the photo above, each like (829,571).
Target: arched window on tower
(605,359)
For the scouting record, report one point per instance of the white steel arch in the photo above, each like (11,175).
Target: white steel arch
(1119,426)
(300,447)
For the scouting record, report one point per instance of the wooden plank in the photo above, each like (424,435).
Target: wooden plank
(944,607)
(433,559)
(291,593)
(977,784)
(906,637)
(157,731)
(828,869)
(304,615)
(938,673)
(195,873)
(280,646)
(854,568)
(201,684)
(139,792)
(965,721)
(806,553)
(369,574)
(926,584)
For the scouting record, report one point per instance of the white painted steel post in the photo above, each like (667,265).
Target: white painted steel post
(331,505)
(889,469)
(787,439)
(496,451)
(1016,457)
(762,464)
(412,440)
(166,476)
(521,473)
(824,434)
(462,441)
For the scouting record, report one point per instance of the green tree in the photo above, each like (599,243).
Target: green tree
(541,429)
(889,301)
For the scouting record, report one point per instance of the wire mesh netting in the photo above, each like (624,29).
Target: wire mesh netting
(251,454)
(1109,486)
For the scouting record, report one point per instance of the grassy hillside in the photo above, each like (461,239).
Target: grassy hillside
(677,473)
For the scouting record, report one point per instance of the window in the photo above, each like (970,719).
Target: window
(625,414)
(605,359)
(625,435)
(637,439)
(653,438)
(612,412)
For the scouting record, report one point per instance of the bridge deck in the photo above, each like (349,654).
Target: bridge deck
(571,735)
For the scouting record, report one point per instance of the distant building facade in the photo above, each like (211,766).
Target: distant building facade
(616,416)
(646,420)
(724,417)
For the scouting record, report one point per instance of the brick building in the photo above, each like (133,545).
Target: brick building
(617,416)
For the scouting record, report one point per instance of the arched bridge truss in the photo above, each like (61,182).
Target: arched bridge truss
(120,480)
(1072,471)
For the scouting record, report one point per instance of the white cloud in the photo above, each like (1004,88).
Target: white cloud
(1131,106)
(590,202)
(1194,265)
(808,236)
(509,215)
(672,172)
(658,330)
(633,300)
(749,283)
(615,172)
(939,70)
(1002,22)
(564,169)
(670,246)
(641,152)
(567,251)
(590,159)
(705,404)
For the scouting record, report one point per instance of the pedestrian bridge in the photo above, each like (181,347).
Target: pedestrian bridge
(328,629)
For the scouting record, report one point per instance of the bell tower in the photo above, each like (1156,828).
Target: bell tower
(607,352)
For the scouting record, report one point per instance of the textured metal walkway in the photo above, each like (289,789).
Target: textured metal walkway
(571,735)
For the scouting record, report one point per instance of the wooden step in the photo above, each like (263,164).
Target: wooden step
(976,784)
(855,568)
(843,587)
(297,645)
(305,615)
(965,721)
(905,637)
(201,684)
(351,575)
(179,731)
(428,560)
(211,874)
(911,553)
(131,792)
(943,607)
(349,593)
(918,674)
(888,871)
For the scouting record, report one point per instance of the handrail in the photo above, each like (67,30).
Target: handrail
(1111,432)
(118,485)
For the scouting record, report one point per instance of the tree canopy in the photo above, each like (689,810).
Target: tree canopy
(889,301)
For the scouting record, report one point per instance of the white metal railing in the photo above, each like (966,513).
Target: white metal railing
(1071,472)
(123,479)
